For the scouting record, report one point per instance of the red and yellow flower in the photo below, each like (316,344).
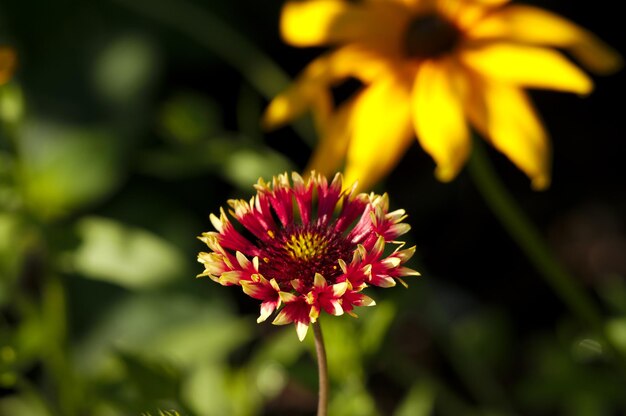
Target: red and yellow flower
(307,247)
(430,68)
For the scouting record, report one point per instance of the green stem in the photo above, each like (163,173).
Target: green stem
(532,243)
(322,369)
(56,360)
(200,25)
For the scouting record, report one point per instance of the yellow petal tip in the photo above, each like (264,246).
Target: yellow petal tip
(540,183)
(445,173)
(276,114)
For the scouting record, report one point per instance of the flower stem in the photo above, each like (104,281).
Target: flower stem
(534,246)
(322,369)
(224,41)
(528,237)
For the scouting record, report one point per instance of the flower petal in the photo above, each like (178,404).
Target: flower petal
(267,308)
(296,311)
(512,126)
(319,281)
(438,117)
(320,22)
(521,23)
(331,150)
(362,300)
(464,13)
(381,131)
(297,99)
(301,329)
(528,66)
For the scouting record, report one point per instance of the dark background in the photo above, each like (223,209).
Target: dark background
(127,123)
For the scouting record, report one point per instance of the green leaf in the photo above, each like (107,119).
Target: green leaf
(125,68)
(234,159)
(247,165)
(153,379)
(345,357)
(351,398)
(170,326)
(128,256)
(208,377)
(12,245)
(163,413)
(375,324)
(64,167)
(23,405)
(616,331)
(419,401)
(188,118)
(11,103)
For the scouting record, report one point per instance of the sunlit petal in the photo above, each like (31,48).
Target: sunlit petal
(381,131)
(527,66)
(465,13)
(529,24)
(321,22)
(357,61)
(509,122)
(491,3)
(438,117)
(308,92)
(311,89)
(331,149)
(294,102)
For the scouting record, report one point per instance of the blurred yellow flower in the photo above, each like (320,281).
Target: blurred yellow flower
(428,67)
(7,63)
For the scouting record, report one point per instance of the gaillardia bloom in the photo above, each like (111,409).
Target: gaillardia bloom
(307,247)
(428,68)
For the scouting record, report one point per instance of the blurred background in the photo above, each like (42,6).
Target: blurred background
(128,121)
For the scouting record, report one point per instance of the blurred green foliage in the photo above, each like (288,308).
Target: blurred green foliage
(125,125)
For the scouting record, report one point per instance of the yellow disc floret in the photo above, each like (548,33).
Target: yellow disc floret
(306,246)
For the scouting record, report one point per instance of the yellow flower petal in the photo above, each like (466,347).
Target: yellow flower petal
(529,24)
(331,150)
(311,23)
(360,62)
(438,117)
(506,117)
(312,88)
(464,13)
(381,131)
(296,100)
(527,66)
(320,22)
(492,3)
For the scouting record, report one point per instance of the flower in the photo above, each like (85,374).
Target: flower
(429,67)
(307,247)
(7,64)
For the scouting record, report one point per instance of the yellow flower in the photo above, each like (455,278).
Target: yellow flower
(7,63)
(428,68)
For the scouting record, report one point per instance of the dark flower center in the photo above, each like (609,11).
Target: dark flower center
(300,251)
(430,36)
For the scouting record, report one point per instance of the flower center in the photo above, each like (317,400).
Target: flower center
(430,36)
(300,251)
(307,246)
